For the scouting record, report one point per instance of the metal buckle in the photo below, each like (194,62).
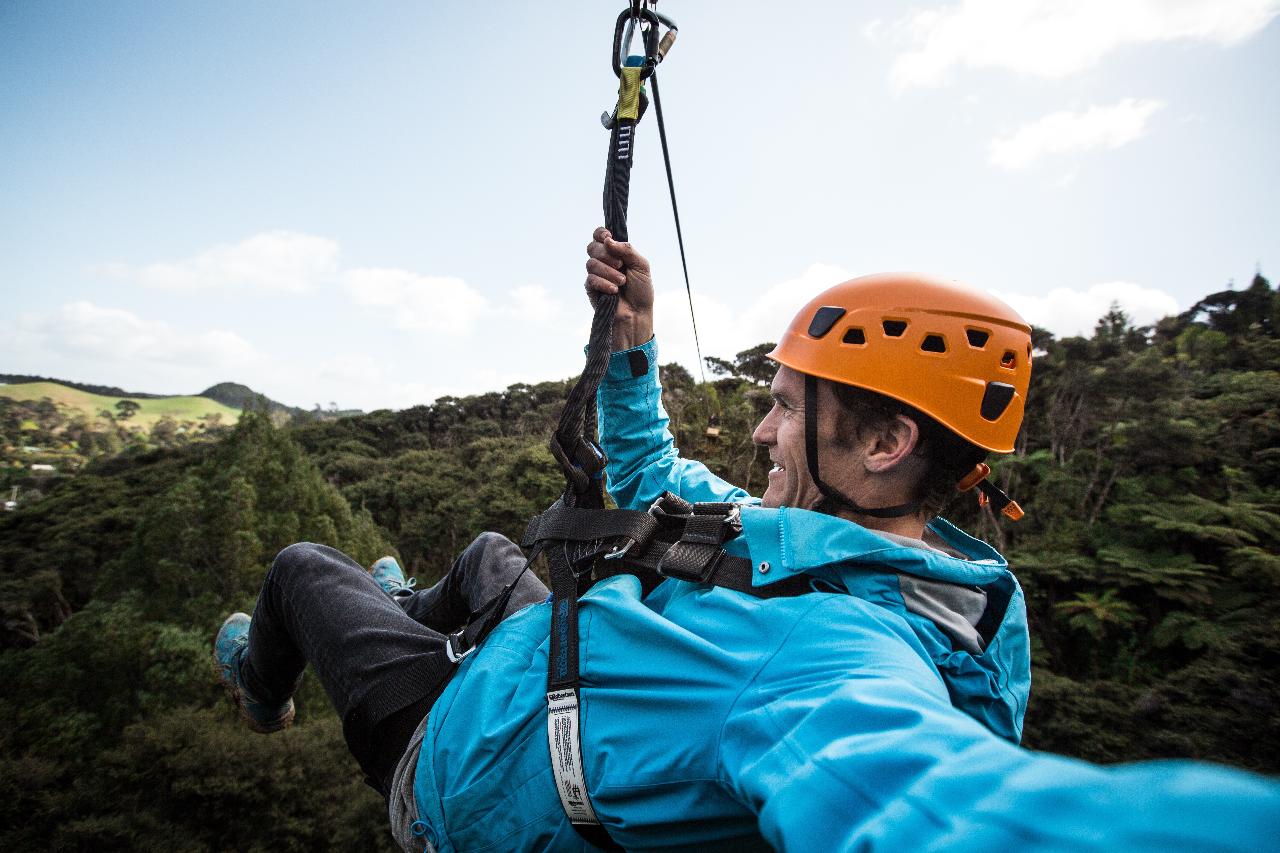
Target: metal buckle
(733,520)
(449,652)
(618,553)
(658,510)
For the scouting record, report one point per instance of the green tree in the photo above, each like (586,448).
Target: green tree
(1096,613)
(167,433)
(126,409)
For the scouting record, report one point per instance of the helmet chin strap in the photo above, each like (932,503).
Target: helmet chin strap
(830,497)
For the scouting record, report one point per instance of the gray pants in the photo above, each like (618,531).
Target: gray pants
(380,659)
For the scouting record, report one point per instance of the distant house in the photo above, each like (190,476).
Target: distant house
(40,466)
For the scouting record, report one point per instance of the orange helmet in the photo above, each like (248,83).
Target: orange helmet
(958,355)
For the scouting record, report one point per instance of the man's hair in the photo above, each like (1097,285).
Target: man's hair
(948,457)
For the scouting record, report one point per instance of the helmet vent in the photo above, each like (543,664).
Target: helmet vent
(977,337)
(854,335)
(933,343)
(823,319)
(894,328)
(1009,359)
(996,399)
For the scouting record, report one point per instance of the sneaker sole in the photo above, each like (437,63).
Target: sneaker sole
(237,699)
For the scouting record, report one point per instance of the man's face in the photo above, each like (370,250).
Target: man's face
(782,434)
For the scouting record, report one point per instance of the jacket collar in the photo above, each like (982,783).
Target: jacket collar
(792,541)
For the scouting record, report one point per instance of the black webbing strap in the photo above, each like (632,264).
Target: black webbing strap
(561,522)
(484,620)
(674,539)
(727,571)
(564,737)
(588,554)
(562,670)
(694,555)
(573,444)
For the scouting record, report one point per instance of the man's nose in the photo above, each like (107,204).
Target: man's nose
(764,434)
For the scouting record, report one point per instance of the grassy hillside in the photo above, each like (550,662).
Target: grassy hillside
(150,411)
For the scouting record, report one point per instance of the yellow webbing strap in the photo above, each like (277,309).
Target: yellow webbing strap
(629,93)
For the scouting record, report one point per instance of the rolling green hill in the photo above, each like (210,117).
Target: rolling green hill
(150,411)
(105,390)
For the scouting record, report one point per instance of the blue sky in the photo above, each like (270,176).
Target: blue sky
(377,204)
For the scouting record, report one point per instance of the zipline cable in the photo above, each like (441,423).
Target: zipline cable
(675,212)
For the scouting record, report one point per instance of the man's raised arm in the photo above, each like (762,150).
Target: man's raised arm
(643,460)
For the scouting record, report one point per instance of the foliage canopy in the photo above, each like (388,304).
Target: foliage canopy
(1149,466)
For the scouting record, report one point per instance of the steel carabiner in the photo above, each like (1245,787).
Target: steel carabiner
(649,23)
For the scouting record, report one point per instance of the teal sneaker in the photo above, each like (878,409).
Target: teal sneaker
(228,648)
(390,577)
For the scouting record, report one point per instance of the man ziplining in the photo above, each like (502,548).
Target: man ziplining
(830,667)
(875,704)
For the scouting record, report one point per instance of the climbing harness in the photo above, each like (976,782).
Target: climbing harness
(673,539)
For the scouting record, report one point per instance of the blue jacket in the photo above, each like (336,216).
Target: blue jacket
(715,720)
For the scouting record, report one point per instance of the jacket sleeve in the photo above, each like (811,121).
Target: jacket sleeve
(643,459)
(845,740)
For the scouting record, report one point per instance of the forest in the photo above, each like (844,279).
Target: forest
(1149,468)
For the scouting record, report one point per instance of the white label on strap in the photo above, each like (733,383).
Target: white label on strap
(566,756)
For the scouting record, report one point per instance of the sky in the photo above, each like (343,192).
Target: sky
(377,204)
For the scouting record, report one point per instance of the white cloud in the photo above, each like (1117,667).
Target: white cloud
(360,381)
(1066,311)
(1066,179)
(1066,132)
(534,304)
(415,302)
(382,392)
(766,317)
(1054,38)
(91,343)
(295,262)
(716,328)
(350,369)
(726,330)
(114,335)
(273,260)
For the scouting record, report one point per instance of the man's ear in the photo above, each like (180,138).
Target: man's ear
(893,445)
